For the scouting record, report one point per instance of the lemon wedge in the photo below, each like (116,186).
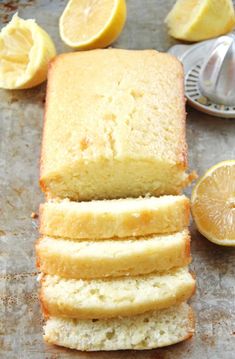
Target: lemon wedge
(25,51)
(87,24)
(196,20)
(213,204)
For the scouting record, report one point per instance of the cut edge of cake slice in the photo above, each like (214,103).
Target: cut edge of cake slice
(86,259)
(114,218)
(146,331)
(112,297)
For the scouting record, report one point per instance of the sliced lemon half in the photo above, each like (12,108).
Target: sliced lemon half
(25,51)
(196,20)
(213,204)
(91,24)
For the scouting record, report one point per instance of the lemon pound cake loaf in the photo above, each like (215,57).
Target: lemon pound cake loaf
(107,298)
(114,125)
(145,331)
(114,218)
(109,258)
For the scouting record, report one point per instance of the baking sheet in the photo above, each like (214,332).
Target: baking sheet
(210,140)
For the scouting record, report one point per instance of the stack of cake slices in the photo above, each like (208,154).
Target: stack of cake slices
(114,247)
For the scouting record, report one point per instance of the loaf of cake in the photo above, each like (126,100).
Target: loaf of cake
(146,331)
(114,218)
(114,125)
(113,297)
(131,256)
(114,244)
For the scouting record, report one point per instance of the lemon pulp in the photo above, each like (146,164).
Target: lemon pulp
(89,24)
(213,204)
(25,50)
(196,20)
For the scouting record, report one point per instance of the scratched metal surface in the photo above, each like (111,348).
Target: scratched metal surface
(210,140)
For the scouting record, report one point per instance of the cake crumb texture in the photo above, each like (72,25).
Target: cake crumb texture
(146,331)
(107,298)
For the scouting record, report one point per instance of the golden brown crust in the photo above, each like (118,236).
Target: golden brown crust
(183,148)
(42,155)
(187,211)
(192,176)
(188,249)
(42,300)
(37,256)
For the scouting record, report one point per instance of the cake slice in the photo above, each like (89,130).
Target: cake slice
(109,258)
(114,218)
(114,125)
(107,298)
(145,331)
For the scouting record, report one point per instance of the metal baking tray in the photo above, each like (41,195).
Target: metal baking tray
(210,140)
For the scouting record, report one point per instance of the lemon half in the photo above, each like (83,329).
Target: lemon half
(213,204)
(25,51)
(196,20)
(91,24)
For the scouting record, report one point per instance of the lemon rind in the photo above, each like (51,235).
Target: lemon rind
(119,7)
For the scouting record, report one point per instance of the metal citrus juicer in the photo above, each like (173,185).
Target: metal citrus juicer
(210,74)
